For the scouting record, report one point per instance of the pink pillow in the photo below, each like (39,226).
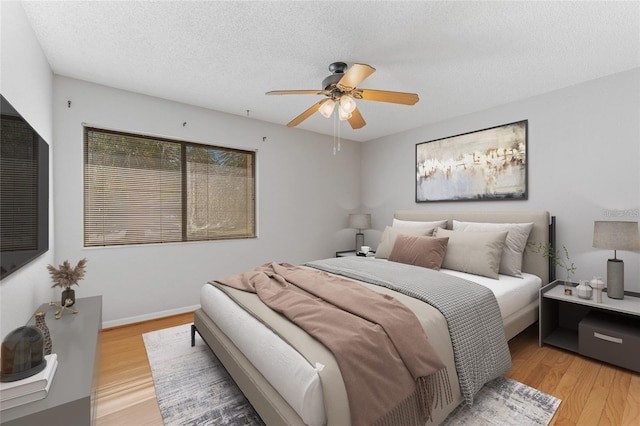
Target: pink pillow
(427,252)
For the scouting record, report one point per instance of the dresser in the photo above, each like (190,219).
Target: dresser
(72,396)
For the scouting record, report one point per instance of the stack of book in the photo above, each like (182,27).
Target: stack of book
(29,389)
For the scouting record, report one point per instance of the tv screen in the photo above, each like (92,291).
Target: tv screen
(24,192)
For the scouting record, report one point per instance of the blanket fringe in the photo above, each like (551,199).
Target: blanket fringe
(431,392)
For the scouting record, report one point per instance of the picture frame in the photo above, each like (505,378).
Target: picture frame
(484,165)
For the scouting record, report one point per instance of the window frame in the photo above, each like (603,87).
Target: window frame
(252,196)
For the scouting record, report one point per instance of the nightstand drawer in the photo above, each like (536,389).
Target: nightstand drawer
(612,339)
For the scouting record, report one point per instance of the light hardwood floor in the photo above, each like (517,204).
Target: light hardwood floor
(592,393)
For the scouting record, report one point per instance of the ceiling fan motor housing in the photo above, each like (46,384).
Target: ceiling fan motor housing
(330,82)
(338,69)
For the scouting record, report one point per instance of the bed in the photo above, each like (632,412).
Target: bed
(302,383)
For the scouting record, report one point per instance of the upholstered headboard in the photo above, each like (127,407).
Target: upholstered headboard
(542,231)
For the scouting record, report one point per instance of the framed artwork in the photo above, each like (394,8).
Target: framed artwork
(489,164)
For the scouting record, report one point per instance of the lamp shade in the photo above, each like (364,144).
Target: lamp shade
(343,114)
(347,104)
(326,109)
(616,235)
(360,221)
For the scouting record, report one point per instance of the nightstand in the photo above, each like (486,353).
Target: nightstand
(607,331)
(353,253)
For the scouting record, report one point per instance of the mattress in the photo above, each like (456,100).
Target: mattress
(289,373)
(292,375)
(512,293)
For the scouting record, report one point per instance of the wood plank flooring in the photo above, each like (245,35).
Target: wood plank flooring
(592,393)
(126,395)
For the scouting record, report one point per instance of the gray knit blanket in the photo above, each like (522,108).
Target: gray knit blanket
(477,332)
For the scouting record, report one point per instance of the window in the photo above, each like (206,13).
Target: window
(141,189)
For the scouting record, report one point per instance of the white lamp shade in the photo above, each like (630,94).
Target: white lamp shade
(326,109)
(347,103)
(343,114)
(360,221)
(616,235)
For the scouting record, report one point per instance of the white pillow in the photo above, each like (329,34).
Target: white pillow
(473,252)
(390,234)
(397,223)
(514,246)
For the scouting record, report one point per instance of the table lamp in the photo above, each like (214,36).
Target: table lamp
(616,235)
(359,222)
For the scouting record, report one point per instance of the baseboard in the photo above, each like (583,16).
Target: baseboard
(147,317)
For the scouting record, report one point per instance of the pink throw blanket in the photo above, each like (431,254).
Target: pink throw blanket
(391,373)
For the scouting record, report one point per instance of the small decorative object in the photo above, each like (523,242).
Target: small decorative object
(65,307)
(22,354)
(556,258)
(42,326)
(584,290)
(65,276)
(568,288)
(597,284)
(616,235)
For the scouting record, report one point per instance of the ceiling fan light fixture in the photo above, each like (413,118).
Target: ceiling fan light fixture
(347,104)
(344,115)
(326,109)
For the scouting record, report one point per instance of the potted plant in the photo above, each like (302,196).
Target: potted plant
(558,258)
(65,276)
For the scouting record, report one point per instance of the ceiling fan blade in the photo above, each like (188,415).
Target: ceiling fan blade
(356,119)
(355,75)
(386,96)
(296,92)
(309,112)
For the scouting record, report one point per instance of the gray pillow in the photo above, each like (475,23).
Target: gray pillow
(390,234)
(514,246)
(476,253)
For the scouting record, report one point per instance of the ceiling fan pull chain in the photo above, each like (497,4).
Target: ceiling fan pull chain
(335,120)
(339,126)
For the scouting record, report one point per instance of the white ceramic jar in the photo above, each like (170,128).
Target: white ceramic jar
(584,290)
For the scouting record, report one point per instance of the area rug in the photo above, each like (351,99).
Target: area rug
(193,388)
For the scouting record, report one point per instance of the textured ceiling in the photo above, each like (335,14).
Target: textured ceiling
(459,57)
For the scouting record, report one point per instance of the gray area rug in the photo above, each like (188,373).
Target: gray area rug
(193,388)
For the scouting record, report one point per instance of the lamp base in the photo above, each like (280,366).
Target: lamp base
(359,241)
(615,279)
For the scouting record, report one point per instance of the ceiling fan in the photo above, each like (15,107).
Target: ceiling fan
(341,91)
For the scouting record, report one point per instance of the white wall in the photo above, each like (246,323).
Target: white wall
(584,152)
(26,82)
(304,196)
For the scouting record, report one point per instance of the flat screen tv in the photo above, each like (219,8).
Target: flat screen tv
(24,192)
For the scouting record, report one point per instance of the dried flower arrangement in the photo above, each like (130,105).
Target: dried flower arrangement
(65,276)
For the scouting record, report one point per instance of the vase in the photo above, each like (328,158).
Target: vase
(42,326)
(597,284)
(568,286)
(68,294)
(584,290)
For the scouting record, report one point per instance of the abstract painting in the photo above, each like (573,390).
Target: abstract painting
(483,165)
